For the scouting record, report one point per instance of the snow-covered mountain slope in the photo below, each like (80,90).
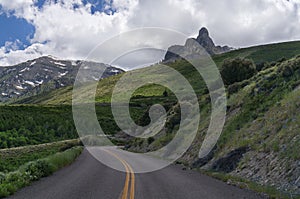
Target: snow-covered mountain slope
(41,75)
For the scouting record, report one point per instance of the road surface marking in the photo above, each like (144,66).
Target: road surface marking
(132,181)
(129,173)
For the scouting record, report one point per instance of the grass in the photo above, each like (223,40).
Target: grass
(263,53)
(12,181)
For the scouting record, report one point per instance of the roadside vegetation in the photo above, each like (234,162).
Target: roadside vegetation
(33,163)
(22,125)
(12,158)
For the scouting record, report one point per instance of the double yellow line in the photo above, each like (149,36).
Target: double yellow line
(129,174)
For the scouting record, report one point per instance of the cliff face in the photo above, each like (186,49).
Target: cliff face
(191,48)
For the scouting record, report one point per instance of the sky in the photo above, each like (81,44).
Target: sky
(70,29)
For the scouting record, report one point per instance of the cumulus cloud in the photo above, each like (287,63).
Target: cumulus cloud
(70,32)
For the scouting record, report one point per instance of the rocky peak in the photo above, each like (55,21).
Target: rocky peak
(203,34)
(190,49)
(205,41)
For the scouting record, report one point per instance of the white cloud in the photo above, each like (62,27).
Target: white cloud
(71,34)
(12,46)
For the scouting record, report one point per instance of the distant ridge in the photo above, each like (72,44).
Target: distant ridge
(42,75)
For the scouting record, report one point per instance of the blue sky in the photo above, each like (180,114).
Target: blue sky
(19,29)
(70,29)
(13,28)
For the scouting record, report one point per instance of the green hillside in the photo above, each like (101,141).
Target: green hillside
(259,54)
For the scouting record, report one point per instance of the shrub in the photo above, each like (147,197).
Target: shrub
(39,169)
(5,190)
(237,70)
(17,179)
(62,159)
(288,68)
(2,177)
(233,88)
(263,66)
(287,71)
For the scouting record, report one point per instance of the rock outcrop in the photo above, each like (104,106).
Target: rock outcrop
(191,48)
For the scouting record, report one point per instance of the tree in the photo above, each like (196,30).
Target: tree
(237,70)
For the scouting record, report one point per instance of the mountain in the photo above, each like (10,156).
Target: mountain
(189,49)
(41,75)
(270,53)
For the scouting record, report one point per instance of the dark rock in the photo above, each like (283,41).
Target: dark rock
(230,161)
(191,48)
(205,41)
(203,161)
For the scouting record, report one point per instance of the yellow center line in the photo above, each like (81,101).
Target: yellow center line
(132,181)
(129,173)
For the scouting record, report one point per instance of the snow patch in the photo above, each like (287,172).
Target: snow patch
(62,74)
(4,94)
(9,70)
(19,87)
(47,70)
(52,57)
(25,69)
(114,71)
(39,82)
(59,63)
(30,83)
(96,78)
(34,62)
(73,63)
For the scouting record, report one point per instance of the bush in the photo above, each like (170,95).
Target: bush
(263,66)
(288,68)
(2,177)
(39,169)
(237,70)
(5,190)
(17,179)
(62,159)
(287,71)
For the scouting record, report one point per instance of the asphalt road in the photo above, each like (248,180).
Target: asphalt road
(87,178)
